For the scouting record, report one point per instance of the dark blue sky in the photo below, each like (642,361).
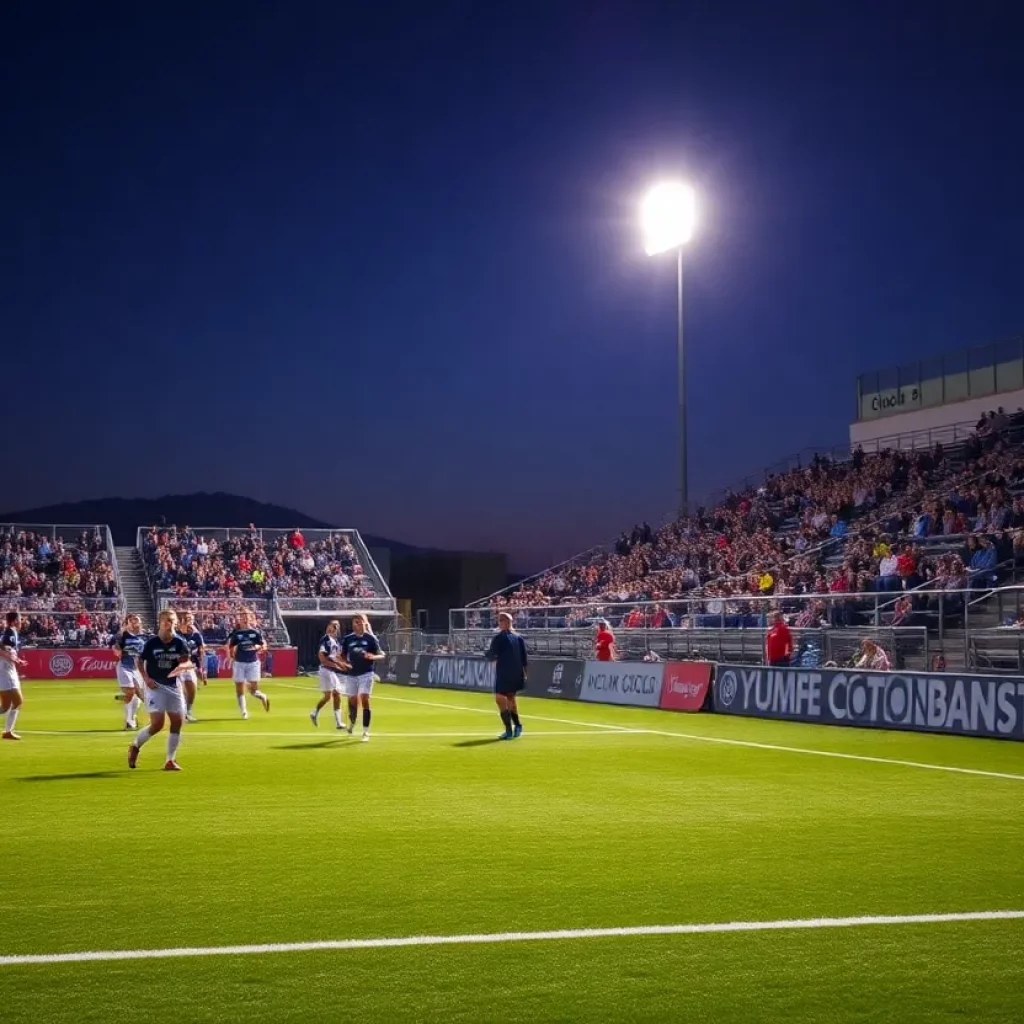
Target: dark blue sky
(383,265)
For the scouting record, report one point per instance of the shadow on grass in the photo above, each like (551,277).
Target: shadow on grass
(70,776)
(341,741)
(479,743)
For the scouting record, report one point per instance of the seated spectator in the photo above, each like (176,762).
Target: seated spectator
(872,657)
(982,564)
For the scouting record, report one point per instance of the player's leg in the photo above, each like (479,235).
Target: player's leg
(327,688)
(336,703)
(189,685)
(128,696)
(513,709)
(352,696)
(10,707)
(174,720)
(144,735)
(501,699)
(253,679)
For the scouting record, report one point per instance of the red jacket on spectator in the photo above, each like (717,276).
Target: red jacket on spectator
(603,643)
(906,564)
(778,644)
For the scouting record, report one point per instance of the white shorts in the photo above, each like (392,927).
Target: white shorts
(187,677)
(165,698)
(359,684)
(330,682)
(128,678)
(9,681)
(246,672)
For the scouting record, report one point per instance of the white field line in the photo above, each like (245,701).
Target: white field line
(191,734)
(502,937)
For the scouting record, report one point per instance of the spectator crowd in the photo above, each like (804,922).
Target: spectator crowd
(56,574)
(242,564)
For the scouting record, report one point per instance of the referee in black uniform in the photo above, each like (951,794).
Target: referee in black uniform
(508,652)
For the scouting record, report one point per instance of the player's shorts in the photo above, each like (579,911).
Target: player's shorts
(128,677)
(188,677)
(509,687)
(9,681)
(246,672)
(169,699)
(330,682)
(355,685)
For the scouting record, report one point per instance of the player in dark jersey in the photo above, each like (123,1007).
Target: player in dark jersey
(511,661)
(245,642)
(10,684)
(332,664)
(128,646)
(360,649)
(163,658)
(197,655)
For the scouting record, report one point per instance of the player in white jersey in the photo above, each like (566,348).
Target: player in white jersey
(332,664)
(10,683)
(128,646)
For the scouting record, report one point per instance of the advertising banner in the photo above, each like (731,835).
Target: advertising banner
(98,663)
(558,679)
(967,705)
(622,682)
(685,685)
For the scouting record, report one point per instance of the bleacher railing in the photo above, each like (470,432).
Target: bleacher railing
(340,605)
(226,610)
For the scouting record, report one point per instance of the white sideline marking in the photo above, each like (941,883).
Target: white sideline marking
(498,937)
(327,730)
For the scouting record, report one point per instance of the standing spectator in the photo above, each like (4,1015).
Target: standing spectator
(604,642)
(778,643)
(295,540)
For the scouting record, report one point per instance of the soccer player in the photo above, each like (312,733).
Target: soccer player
(360,649)
(163,658)
(128,646)
(245,642)
(508,652)
(331,665)
(197,655)
(10,684)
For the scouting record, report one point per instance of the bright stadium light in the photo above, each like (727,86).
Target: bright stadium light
(668,215)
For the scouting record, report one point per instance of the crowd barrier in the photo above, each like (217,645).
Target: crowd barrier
(970,705)
(967,705)
(678,686)
(98,663)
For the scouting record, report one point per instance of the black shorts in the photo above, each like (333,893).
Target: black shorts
(509,688)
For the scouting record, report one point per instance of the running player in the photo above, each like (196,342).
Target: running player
(128,646)
(10,684)
(360,649)
(162,659)
(245,642)
(197,655)
(331,665)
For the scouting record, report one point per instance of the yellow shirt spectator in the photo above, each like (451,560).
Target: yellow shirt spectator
(766,582)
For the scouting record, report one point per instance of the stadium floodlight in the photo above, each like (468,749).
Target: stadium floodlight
(668,215)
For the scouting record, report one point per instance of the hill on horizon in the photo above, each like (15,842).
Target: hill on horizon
(125,515)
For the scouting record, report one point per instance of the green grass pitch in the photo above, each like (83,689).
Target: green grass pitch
(278,833)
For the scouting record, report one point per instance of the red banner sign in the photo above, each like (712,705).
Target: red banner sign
(98,663)
(685,685)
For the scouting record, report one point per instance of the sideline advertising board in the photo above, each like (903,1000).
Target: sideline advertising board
(636,683)
(555,678)
(685,685)
(99,662)
(965,705)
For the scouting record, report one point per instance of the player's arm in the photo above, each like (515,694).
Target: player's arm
(10,655)
(326,660)
(140,665)
(492,651)
(232,645)
(374,653)
(116,647)
(526,657)
(261,643)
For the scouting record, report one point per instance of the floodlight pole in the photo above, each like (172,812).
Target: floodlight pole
(683,490)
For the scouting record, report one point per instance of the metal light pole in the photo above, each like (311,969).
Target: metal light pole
(668,215)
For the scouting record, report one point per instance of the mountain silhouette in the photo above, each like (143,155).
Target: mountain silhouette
(125,515)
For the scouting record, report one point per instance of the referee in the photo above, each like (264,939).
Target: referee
(508,652)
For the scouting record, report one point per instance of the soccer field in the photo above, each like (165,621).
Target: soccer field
(597,818)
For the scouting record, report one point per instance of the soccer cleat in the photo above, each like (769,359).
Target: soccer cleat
(314,719)
(133,755)
(507,736)
(10,736)
(517,732)
(245,716)
(189,717)
(266,703)
(366,737)
(350,727)
(172,766)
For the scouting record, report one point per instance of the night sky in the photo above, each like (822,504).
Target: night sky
(383,266)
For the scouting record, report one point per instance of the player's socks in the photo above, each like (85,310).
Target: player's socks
(142,736)
(366,718)
(337,718)
(515,719)
(12,717)
(135,704)
(506,719)
(262,698)
(241,703)
(173,739)
(353,707)
(129,711)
